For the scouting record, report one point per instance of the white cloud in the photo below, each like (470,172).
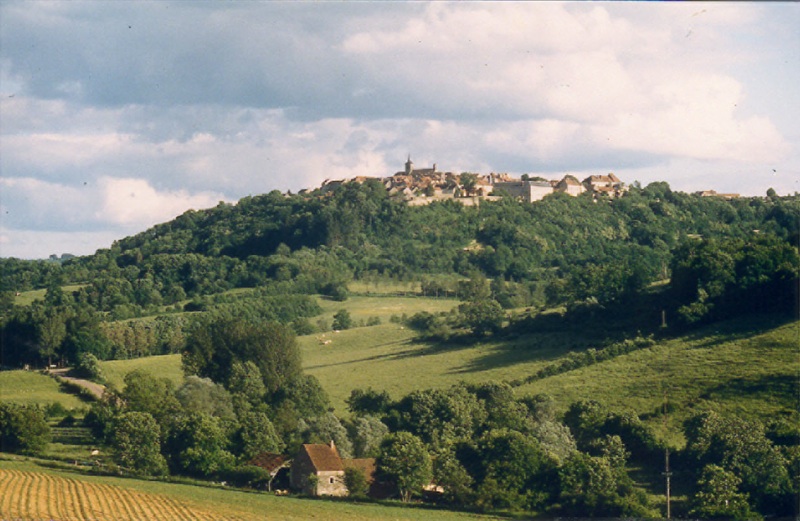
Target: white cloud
(135,203)
(185,104)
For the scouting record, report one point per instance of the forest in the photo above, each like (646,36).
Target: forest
(230,287)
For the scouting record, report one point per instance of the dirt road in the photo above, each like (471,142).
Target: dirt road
(96,389)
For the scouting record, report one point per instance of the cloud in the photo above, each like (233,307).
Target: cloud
(187,103)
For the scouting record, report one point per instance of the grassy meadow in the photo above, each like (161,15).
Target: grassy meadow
(165,366)
(33,387)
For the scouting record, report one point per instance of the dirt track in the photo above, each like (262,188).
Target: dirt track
(96,389)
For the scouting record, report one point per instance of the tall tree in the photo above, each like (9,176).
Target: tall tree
(405,462)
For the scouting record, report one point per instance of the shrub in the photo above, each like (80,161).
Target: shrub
(23,428)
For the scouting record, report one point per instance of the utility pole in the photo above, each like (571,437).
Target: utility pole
(667,474)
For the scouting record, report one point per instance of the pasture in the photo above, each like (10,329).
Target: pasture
(163,366)
(748,367)
(30,491)
(33,387)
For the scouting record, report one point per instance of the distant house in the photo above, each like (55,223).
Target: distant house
(713,193)
(570,186)
(318,470)
(528,191)
(604,184)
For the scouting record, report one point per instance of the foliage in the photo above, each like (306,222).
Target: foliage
(202,395)
(342,320)
(356,482)
(366,433)
(137,443)
(256,435)
(196,444)
(89,367)
(742,448)
(718,496)
(215,345)
(144,392)
(23,428)
(405,462)
(327,428)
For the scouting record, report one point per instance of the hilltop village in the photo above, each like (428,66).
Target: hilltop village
(420,186)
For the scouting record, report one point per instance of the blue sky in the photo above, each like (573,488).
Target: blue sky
(115,116)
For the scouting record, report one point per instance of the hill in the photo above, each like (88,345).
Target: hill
(517,348)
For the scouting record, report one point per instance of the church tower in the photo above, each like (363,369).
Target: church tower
(409,165)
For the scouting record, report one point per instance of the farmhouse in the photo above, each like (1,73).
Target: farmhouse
(317,470)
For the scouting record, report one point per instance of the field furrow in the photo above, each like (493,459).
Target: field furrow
(24,496)
(40,495)
(5,485)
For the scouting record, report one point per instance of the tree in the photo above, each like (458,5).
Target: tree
(256,435)
(356,482)
(469,182)
(482,317)
(216,344)
(144,392)
(742,448)
(23,428)
(197,445)
(342,320)
(89,367)
(404,461)
(592,486)
(367,433)
(368,401)
(202,395)
(137,444)
(515,471)
(718,496)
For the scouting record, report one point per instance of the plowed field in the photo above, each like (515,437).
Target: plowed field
(40,496)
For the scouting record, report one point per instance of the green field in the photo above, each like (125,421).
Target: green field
(28,387)
(26,298)
(749,367)
(164,366)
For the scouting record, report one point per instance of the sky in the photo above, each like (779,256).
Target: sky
(115,116)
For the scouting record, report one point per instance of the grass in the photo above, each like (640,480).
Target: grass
(383,307)
(213,502)
(26,298)
(164,366)
(748,367)
(31,387)
(387,357)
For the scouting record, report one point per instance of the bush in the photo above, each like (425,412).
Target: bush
(23,428)
(342,320)
(356,482)
(89,367)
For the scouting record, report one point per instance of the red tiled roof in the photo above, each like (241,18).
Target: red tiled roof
(365,465)
(323,457)
(268,461)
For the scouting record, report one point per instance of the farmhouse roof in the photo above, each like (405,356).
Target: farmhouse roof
(365,465)
(323,457)
(268,461)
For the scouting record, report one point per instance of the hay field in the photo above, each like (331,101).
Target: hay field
(30,492)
